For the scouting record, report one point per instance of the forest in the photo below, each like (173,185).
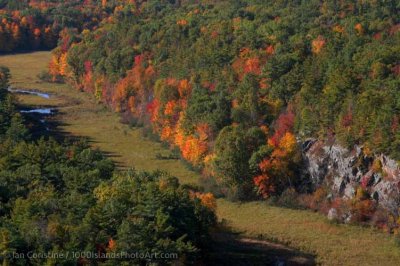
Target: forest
(37,25)
(61,198)
(234,87)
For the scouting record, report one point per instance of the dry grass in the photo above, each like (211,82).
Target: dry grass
(311,232)
(304,230)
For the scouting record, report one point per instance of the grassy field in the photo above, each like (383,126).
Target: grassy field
(79,115)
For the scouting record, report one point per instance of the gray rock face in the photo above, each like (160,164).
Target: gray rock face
(332,214)
(343,171)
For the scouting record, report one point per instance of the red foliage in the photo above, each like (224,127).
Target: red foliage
(377,36)
(138,60)
(214,34)
(347,119)
(394,29)
(270,50)
(396,70)
(284,124)
(88,66)
(252,65)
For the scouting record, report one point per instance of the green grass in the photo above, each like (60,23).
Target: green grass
(303,230)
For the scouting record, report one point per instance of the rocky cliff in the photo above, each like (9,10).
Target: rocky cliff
(343,171)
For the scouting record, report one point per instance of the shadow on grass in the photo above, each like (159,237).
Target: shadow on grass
(231,248)
(49,126)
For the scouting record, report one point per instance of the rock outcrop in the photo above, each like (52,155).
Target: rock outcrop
(344,170)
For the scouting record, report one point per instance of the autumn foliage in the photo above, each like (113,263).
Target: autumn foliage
(277,171)
(237,92)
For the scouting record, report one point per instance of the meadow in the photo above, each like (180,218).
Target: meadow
(80,115)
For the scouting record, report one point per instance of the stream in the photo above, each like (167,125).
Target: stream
(37,93)
(41,113)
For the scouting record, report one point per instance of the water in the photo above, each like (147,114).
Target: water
(39,111)
(40,94)
(42,111)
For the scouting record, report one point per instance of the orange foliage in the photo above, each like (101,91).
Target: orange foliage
(244,52)
(208,200)
(236,23)
(184,88)
(250,62)
(275,167)
(194,149)
(203,131)
(149,72)
(135,84)
(112,244)
(131,104)
(318,44)
(54,67)
(264,84)
(182,22)
(167,133)
(263,181)
(252,65)
(359,28)
(338,29)
(169,108)
(153,108)
(287,143)
(270,50)
(88,77)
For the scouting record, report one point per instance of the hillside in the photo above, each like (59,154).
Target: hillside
(309,232)
(241,90)
(280,119)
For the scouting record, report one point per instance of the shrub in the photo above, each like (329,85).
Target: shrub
(317,201)
(289,199)
(45,76)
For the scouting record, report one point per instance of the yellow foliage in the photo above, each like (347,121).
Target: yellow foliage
(63,64)
(288,142)
(338,29)
(377,166)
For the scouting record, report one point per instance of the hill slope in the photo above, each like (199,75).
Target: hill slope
(310,232)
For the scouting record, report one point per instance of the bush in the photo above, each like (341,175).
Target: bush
(211,185)
(317,201)
(45,76)
(289,199)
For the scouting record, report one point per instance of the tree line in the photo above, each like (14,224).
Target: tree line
(59,198)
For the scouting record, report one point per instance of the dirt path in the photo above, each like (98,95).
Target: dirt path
(78,114)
